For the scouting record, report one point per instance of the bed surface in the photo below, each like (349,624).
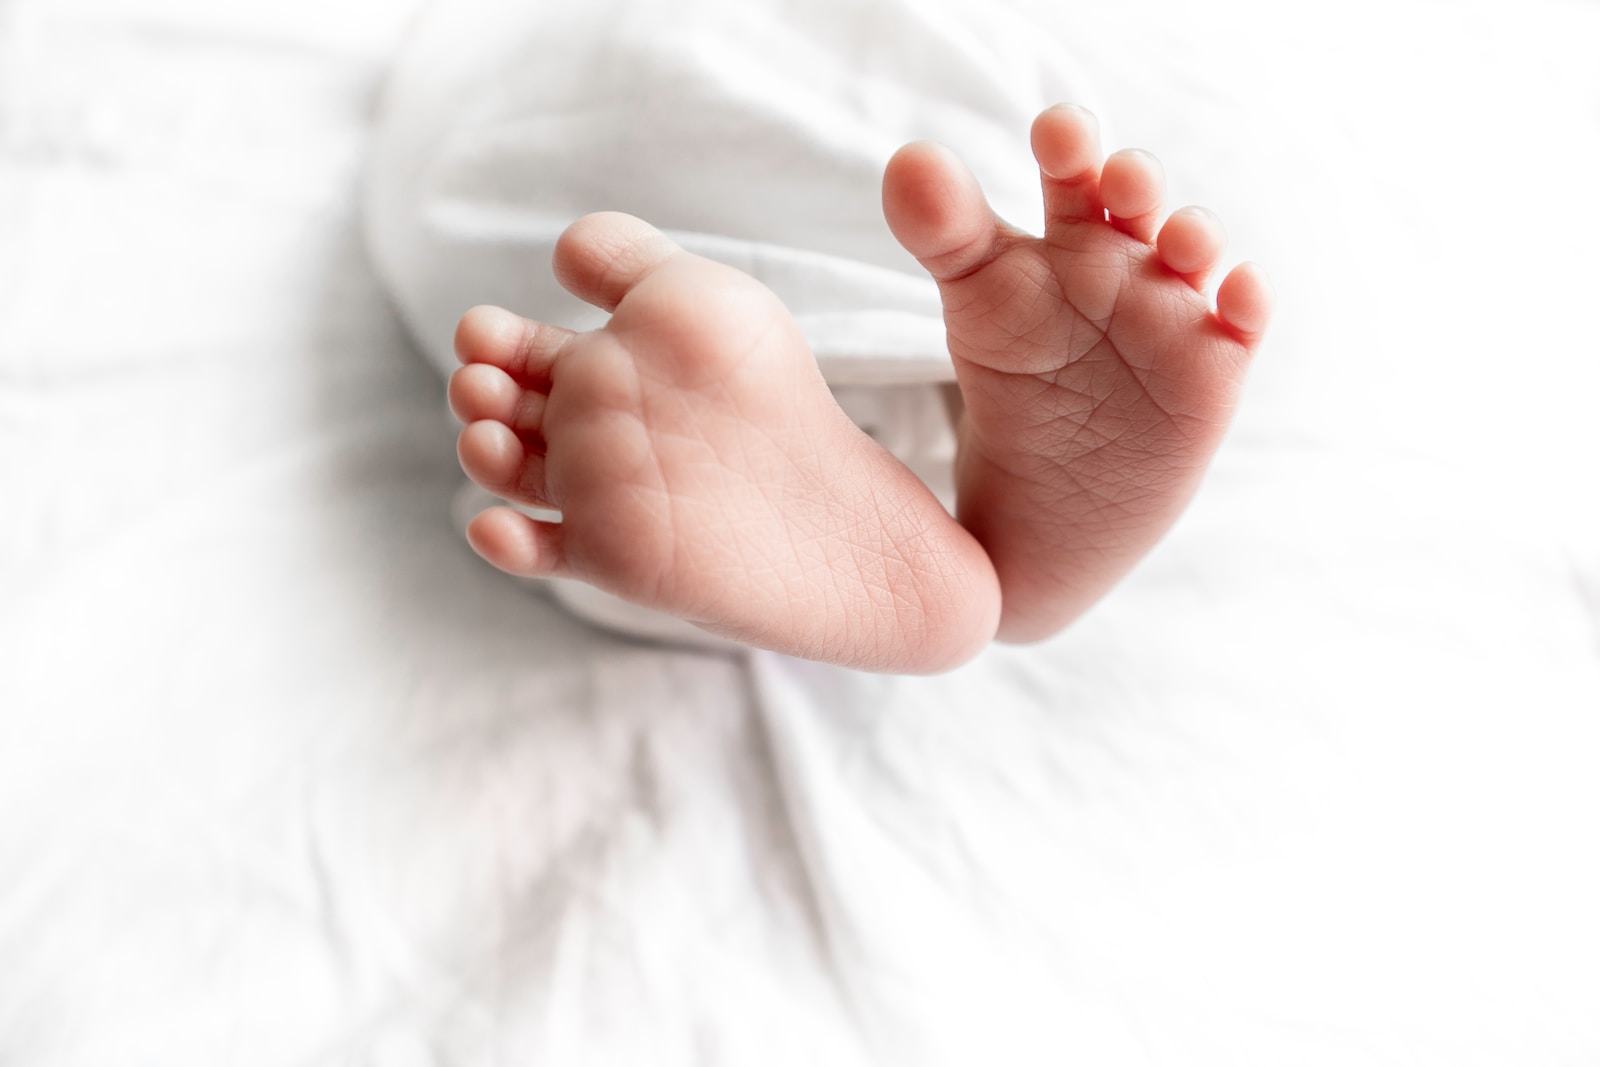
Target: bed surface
(288,777)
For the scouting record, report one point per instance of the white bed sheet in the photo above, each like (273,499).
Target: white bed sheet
(286,776)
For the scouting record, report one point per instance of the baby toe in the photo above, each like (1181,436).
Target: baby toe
(517,544)
(494,456)
(1191,243)
(481,391)
(1066,143)
(524,348)
(1244,302)
(602,257)
(937,211)
(1132,187)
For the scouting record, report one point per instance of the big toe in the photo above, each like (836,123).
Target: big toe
(936,210)
(602,257)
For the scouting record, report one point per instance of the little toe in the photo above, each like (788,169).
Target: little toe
(1244,302)
(1066,142)
(479,391)
(936,210)
(1191,243)
(601,257)
(517,544)
(494,456)
(523,348)
(1132,186)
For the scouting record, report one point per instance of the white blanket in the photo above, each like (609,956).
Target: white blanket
(288,777)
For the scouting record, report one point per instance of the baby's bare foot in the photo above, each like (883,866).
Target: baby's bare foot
(702,468)
(1096,377)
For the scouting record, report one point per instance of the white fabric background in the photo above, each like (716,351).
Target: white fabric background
(287,777)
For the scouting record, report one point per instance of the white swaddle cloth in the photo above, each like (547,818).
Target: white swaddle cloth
(753,132)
